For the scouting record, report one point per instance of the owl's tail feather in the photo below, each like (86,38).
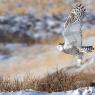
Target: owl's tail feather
(87,48)
(83,50)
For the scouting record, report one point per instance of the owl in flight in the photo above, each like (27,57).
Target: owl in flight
(73,34)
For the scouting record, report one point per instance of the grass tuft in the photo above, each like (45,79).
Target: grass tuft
(58,81)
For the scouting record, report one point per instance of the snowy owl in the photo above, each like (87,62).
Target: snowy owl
(73,35)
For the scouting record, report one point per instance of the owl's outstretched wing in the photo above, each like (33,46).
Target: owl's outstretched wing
(72,34)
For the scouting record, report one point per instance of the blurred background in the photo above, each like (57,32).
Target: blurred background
(30,31)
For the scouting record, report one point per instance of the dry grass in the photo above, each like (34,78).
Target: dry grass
(21,7)
(61,81)
(15,38)
(58,81)
(89,33)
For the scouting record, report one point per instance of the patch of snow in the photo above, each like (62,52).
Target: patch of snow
(3,57)
(80,91)
(89,41)
(12,46)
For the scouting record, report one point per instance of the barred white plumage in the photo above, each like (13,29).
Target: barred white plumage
(88,48)
(76,15)
(73,34)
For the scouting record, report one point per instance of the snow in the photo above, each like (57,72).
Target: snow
(10,47)
(89,41)
(80,91)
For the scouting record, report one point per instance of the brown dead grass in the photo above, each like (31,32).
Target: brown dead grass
(89,33)
(58,81)
(21,7)
(11,6)
(15,38)
(61,81)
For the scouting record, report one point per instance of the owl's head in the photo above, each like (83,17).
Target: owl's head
(60,46)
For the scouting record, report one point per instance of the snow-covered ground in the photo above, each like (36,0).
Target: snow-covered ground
(80,91)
